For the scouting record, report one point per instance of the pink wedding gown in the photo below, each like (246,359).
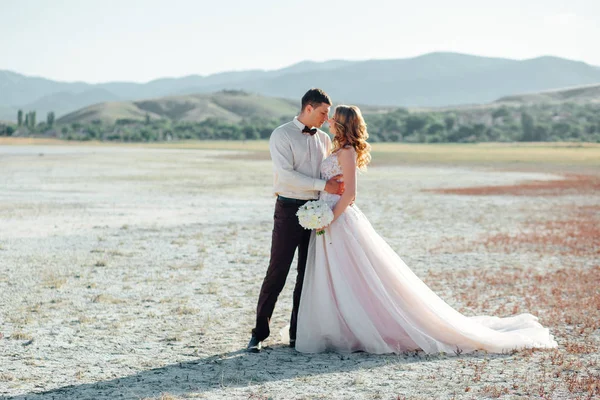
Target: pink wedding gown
(358,295)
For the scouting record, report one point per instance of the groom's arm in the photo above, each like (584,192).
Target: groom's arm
(282,156)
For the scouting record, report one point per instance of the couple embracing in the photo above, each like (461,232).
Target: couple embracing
(353,292)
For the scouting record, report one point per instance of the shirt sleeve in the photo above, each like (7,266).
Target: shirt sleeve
(282,156)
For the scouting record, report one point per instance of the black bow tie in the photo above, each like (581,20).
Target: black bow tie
(308,130)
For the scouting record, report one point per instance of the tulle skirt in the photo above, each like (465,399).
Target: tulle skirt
(358,295)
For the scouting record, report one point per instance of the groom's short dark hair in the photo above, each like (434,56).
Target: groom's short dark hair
(315,97)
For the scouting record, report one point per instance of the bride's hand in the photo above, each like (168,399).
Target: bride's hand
(321,231)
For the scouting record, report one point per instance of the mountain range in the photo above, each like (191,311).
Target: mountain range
(431,80)
(585,93)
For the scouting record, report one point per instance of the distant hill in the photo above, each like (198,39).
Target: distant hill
(230,106)
(226,105)
(8,113)
(431,80)
(588,93)
(62,102)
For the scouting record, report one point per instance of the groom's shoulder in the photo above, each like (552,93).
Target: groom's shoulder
(283,129)
(285,126)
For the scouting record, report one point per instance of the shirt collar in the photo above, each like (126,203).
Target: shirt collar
(299,124)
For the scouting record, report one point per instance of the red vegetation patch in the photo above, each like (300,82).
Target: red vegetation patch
(566,300)
(571,184)
(577,233)
(565,297)
(564,231)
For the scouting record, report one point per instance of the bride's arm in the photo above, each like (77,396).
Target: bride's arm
(347,159)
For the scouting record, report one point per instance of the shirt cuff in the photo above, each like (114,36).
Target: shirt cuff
(319,185)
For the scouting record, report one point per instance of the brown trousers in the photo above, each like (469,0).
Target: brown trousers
(287,236)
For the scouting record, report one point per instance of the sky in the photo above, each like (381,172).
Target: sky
(140,40)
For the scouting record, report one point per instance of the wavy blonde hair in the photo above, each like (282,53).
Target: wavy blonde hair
(351,130)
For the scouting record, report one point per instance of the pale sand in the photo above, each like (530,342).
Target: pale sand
(134,273)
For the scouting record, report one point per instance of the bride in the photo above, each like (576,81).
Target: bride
(358,295)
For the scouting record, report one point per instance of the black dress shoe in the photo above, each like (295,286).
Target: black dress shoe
(255,345)
(293,343)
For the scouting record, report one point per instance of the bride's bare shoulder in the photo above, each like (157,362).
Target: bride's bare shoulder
(346,153)
(349,150)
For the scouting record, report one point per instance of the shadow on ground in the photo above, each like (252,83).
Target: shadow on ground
(232,369)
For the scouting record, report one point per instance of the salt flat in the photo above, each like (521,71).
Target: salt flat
(134,273)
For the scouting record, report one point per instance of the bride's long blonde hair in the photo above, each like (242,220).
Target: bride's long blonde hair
(351,130)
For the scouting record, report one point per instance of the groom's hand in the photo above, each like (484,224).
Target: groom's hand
(335,185)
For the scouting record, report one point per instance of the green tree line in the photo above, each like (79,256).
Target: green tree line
(530,123)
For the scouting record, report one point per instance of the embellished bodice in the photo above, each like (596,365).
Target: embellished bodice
(330,167)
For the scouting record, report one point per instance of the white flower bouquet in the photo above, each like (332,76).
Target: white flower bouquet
(314,215)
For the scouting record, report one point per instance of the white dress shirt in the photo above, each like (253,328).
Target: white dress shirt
(297,161)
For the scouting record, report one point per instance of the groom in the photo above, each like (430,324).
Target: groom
(297,150)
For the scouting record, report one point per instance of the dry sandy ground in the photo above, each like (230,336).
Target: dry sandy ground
(134,273)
